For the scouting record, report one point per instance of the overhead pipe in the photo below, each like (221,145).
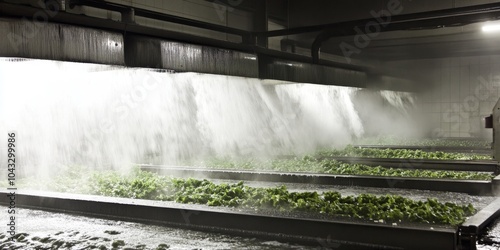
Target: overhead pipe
(483,8)
(422,20)
(410,21)
(405,22)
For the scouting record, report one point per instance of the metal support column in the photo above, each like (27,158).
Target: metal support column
(260,22)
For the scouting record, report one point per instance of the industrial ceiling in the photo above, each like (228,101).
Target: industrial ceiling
(353,35)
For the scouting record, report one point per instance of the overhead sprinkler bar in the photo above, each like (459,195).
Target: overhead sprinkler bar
(9,9)
(129,26)
(131,38)
(326,72)
(124,9)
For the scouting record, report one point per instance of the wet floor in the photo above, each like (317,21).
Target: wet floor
(491,238)
(47,230)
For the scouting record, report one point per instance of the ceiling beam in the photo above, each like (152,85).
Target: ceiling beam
(427,20)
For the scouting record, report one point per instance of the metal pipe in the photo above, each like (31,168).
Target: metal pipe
(421,16)
(409,22)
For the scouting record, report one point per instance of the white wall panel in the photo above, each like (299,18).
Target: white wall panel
(461,93)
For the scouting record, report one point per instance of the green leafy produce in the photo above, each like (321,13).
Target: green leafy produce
(139,184)
(351,151)
(322,162)
(335,167)
(146,185)
(330,166)
(389,208)
(436,142)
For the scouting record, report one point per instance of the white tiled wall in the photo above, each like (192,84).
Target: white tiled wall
(461,91)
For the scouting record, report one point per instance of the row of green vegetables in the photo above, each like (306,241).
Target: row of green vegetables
(330,166)
(387,208)
(435,142)
(352,151)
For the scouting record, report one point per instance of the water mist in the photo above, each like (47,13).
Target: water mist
(108,117)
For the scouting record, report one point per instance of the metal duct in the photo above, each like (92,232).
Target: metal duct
(155,48)
(59,42)
(157,53)
(272,68)
(73,43)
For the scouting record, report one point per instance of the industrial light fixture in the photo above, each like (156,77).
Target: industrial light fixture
(491,27)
